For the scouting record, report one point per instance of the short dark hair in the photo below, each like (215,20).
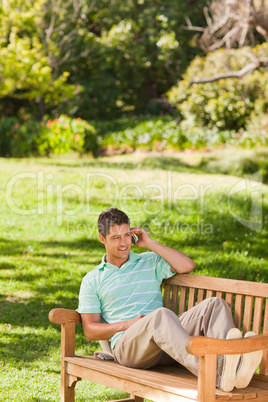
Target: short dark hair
(111,217)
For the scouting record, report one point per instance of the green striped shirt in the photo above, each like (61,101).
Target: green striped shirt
(120,294)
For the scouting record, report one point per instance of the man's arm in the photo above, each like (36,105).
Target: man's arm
(95,329)
(179,261)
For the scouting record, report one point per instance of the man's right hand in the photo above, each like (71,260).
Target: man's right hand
(131,322)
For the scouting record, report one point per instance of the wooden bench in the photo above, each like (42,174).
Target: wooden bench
(249,303)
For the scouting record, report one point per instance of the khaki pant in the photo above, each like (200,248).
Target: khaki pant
(159,337)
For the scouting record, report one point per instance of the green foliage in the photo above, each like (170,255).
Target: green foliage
(257,129)
(161,133)
(60,136)
(6,132)
(114,56)
(25,65)
(27,137)
(24,138)
(18,137)
(225,104)
(151,134)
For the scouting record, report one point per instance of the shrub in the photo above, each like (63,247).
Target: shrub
(18,137)
(151,134)
(6,133)
(159,133)
(22,138)
(225,104)
(65,134)
(159,107)
(257,129)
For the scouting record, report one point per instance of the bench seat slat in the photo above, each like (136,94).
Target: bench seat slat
(191,299)
(166,298)
(264,362)
(130,380)
(247,314)
(257,315)
(183,298)
(238,310)
(200,295)
(229,298)
(209,293)
(162,379)
(174,299)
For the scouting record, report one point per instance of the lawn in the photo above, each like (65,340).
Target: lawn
(49,241)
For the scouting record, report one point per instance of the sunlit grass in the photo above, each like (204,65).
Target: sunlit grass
(49,241)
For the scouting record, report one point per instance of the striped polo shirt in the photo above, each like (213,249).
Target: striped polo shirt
(120,294)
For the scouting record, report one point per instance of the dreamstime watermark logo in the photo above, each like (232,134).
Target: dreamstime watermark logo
(67,201)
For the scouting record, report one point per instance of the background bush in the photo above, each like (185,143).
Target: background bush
(151,133)
(93,59)
(20,138)
(226,104)
(257,128)
(6,126)
(62,135)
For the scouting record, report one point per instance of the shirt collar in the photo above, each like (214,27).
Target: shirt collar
(132,257)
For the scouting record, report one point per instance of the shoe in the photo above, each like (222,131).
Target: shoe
(248,365)
(227,365)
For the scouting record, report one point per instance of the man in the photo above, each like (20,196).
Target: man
(120,301)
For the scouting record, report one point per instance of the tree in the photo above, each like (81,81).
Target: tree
(125,54)
(222,104)
(114,56)
(233,24)
(26,73)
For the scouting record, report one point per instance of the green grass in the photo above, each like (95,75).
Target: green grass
(48,242)
(227,160)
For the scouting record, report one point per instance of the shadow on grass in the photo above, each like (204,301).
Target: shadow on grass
(25,347)
(161,162)
(43,284)
(237,165)
(215,254)
(18,247)
(228,250)
(6,265)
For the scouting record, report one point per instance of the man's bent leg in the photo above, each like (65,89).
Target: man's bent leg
(212,318)
(142,344)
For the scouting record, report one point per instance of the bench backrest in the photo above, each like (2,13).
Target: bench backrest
(247,300)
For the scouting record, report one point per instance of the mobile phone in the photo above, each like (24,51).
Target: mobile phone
(134,239)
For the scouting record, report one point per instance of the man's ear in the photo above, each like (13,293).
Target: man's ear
(102,238)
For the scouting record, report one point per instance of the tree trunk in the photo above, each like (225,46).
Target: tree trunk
(42,108)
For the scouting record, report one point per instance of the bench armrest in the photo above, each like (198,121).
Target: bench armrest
(63,316)
(201,346)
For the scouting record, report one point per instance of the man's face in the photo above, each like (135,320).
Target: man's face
(117,243)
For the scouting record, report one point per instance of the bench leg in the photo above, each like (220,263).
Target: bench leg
(67,349)
(207,378)
(68,383)
(137,398)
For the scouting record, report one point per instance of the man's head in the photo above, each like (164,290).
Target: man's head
(115,234)
(111,217)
